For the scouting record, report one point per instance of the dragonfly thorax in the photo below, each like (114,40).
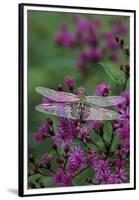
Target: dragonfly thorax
(81,94)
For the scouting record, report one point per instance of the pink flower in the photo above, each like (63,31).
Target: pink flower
(46,159)
(105,176)
(86,31)
(66,132)
(38,137)
(97,126)
(102,89)
(69,82)
(83,134)
(64,37)
(110,42)
(42,131)
(62,178)
(120,28)
(92,54)
(120,176)
(76,158)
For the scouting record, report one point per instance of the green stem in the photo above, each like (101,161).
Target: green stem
(65,163)
(104,142)
(101,134)
(125,83)
(48,169)
(81,171)
(94,144)
(51,170)
(85,144)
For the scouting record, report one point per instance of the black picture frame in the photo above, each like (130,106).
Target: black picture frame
(21,97)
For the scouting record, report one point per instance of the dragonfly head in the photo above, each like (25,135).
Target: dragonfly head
(81,93)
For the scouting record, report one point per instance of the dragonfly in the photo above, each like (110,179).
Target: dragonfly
(79,106)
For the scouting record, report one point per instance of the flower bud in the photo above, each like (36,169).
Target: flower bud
(127,67)
(69,82)
(117,39)
(121,43)
(60,88)
(31,184)
(36,170)
(66,149)
(127,51)
(42,185)
(54,146)
(31,158)
(59,160)
(89,180)
(50,132)
(49,120)
(47,160)
(66,156)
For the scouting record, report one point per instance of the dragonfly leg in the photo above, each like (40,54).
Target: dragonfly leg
(78,126)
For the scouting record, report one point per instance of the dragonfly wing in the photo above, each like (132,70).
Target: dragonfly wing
(105,101)
(61,110)
(97,113)
(57,96)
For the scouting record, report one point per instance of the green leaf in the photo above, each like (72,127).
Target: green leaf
(33,178)
(97,139)
(81,178)
(107,131)
(76,141)
(108,134)
(113,71)
(48,182)
(45,179)
(115,143)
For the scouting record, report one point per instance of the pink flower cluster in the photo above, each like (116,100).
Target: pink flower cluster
(86,38)
(76,151)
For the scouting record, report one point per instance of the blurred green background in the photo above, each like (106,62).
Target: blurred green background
(48,65)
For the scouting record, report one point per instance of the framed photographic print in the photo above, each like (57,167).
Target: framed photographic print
(76,99)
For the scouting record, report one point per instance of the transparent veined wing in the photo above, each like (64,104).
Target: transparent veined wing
(97,113)
(60,109)
(57,96)
(105,101)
